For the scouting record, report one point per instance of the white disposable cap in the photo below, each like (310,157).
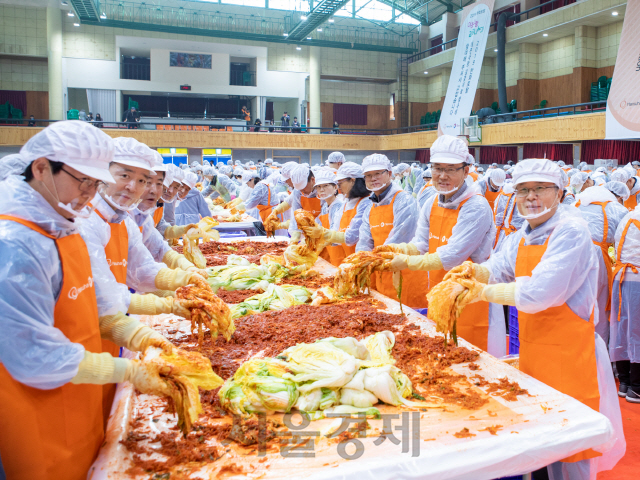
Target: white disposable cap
(77,144)
(133,153)
(349,170)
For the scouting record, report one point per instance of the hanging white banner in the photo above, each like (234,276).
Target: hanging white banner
(623,103)
(467,63)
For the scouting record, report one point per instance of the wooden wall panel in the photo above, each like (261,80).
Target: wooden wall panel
(528,94)
(606,71)
(378,117)
(573,128)
(557,90)
(582,79)
(37,105)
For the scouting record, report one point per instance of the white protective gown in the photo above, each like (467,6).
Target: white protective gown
(32,349)
(567,273)
(151,237)
(259,195)
(472,237)
(405,215)
(142,269)
(624,343)
(595,220)
(352,232)
(425,195)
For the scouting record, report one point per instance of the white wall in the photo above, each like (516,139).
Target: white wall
(105,74)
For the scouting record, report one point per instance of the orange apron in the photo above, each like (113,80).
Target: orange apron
(414,283)
(427,185)
(474,175)
(491,196)
(157,215)
(265,210)
(632,202)
(557,347)
(335,254)
(502,228)
(117,252)
(345,221)
(623,266)
(473,323)
(55,434)
(604,248)
(311,205)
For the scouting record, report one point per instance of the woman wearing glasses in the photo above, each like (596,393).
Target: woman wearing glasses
(549,270)
(455,226)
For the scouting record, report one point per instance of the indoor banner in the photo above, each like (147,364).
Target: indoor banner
(467,63)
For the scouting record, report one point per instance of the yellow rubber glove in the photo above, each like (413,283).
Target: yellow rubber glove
(331,236)
(313,232)
(145,378)
(168,279)
(178,231)
(501,293)
(100,369)
(430,261)
(480,273)
(128,332)
(295,238)
(405,248)
(199,271)
(151,305)
(280,208)
(163,293)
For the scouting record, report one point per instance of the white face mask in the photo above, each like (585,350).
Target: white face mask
(117,206)
(442,192)
(85,212)
(533,216)
(324,197)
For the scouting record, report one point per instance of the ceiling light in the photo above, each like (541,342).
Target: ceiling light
(298,48)
(331,20)
(308,38)
(70,14)
(64,4)
(319,29)
(303,18)
(426,73)
(285,34)
(545,34)
(495,49)
(76,24)
(615,14)
(103,16)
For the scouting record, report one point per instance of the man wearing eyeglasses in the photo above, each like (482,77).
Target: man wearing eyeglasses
(457,225)
(391,218)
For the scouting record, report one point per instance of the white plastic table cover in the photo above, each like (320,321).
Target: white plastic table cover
(245,224)
(537,430)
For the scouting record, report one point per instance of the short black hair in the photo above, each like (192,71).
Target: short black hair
(55,168)
(256,179)
(359,189)
(311,175)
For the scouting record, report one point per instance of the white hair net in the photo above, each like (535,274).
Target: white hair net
(77,144)
(287,168)
(238,170)
(169,175)
(299,176)
(584,168)
(618,188)
(561,163)
(247,175)
(268,161)
(12,164)
(572,172)
(451,150)
(578,180)
(336,157)
(209,171)
(131,152)
(190,179)
(159,165)
(402,167)
(620,175)
(325,176)
(497,176)
(427,173)
(376,161)
(349,170)
(538,170)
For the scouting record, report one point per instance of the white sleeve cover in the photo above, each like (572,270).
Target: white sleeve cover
(405,216)
(141,267)
(259,196)
(153,240)
(365,240)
